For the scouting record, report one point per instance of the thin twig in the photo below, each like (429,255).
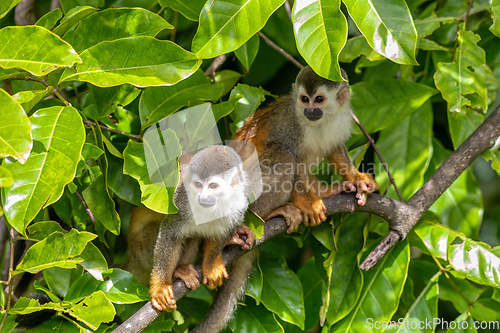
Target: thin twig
(471,2)
(44,82)
(218,61)
(280,50)
(133,136)
(87,209)
(372,143)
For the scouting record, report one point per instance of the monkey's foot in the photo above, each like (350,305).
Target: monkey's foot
(313,210)
(291,214)
(214,277)
(365,185)
(162,297)
(189,275)
(246,232)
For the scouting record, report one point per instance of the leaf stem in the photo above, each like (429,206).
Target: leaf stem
(44,82)
(87,209)
(132,136)
(372,143)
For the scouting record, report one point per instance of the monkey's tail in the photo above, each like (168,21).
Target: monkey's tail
(226,301)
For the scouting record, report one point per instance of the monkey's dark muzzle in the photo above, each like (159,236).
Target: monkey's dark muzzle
(313,114)
(207,202)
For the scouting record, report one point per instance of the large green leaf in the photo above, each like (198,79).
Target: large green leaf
(407,150)
(463,82)
(108,99)
(155,197)
(35,49)
(384,103)
(115,23)
(58,137)
(190,9)
(123,288)
(379,298)
(253,318)
(57,250)
(15,134)
(6,6)
(225,25)
(247,52)
(495,9)
(474,260)
(73,17)
(49,20)
(312,283)
(345,278)
(462,128)
(387,26)
(141,61)
(321,32)
(157,103)
(282,291)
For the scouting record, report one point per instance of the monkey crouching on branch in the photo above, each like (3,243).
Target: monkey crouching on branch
(294,134)
(212,198)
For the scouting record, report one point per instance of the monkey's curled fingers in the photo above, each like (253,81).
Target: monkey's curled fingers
(162,297)
(365,184)
(313,211)
(189,275)
(214,277)
(346,186)
(246,232)
(291,214)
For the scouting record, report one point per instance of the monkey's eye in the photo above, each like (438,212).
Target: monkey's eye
(305,99)
(319,99)
(213,186)
(197,185)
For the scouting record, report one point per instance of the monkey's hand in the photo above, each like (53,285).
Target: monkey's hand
(162,297)
(365,185)
(189,275)
(246,232)
(313,209)
(214,275)
(291,214)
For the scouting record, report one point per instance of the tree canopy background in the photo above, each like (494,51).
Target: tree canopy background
(82,84)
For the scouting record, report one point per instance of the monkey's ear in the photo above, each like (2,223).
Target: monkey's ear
(235,178)
(343,95)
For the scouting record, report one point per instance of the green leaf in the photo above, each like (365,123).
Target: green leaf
(58,137)
(28,99)
(57,250)
(35,49)
(121,287)
(93,261)
(6,6)
(228,78)
(157,103)
(382,287)
(108,99)
(282,291)
(8,73)
(495,9)
(6,179)
(84,286)
(253,318)
(124,186)
(474,260)
(225,25)
(463,82)
(73,17)
(463,324)
(461,205)
(251,98)
(190,9)
(41,230)
(321,32)
(224,108)
(384,103)
(247,52)
(462,127)
(200,122)
(115,23)
(254,222)
(15,135)
(113,63)
(157,198)
(68,5)
(407,150)
(387,26)
(345,280)
(102,205)
(312,283)
(49,20)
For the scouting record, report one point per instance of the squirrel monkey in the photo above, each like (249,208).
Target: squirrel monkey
(212,199)
(295,133)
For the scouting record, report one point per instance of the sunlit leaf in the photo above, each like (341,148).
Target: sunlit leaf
(321,32)
(387,26)
(247,52)
(28,99)
(190,9)
(6,6)
(35,49)
(15,134)
(123,288)
(113,63)
(225,25)
(73,17)
(49,20)
(6,179)
(495,8)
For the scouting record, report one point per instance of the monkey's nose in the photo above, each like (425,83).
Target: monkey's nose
(207,202)
(313,114)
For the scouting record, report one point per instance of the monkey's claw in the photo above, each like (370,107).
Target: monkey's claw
(162,297)
(291,214)
(365,184)
(214,278)
(246,232)
(189,275)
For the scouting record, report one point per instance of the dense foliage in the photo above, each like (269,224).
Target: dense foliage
(423,74)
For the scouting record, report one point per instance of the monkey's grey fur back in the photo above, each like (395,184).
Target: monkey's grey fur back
(232,290)
(204,157)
